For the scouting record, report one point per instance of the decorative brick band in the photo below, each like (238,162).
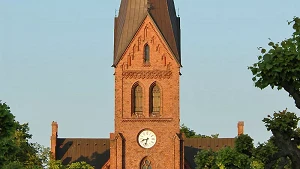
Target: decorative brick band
(150,74)
(148,120)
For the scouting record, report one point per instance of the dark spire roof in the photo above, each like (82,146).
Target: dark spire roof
(131,15)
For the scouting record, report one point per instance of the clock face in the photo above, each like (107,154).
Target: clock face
(146,139)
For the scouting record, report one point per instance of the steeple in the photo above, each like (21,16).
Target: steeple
(131,15)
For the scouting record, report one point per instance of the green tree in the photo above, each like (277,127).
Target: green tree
(226,158)
(206,159)
(243,155)
(189,133)
(14,165)
(7,121)
(57,164)
(7,130)
(264,151)
(244,144)
(42,154)
(15,149)
(80,165)
(286,137)
(230,158)
(280,66)
(256,164)
(26,151)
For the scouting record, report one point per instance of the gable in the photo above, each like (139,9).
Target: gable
(160,51)
(131,15)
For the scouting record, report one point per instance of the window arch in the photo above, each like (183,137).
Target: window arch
(137,99)
(146,53)
(146,164)
(155,100)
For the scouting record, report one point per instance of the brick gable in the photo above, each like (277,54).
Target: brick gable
(163,70)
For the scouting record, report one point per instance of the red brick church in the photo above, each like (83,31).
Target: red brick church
(147,62)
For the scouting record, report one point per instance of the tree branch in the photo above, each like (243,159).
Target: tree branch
(294,93)
(272,160)
(282,163)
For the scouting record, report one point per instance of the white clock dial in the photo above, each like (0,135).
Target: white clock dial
(146,139)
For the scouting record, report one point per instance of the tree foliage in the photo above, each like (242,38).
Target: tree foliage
(57,164)
(206,159)
(15,149)
(240,156)
(226,158)
(286,138)
(7,125)
(244,144)
(280,66)
(189,133)
(229,158)
(264,151)
(79,165)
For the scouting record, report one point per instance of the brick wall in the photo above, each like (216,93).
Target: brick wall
(163,69)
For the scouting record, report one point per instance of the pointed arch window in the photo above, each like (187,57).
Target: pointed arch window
(155,100)
(137,99)
(146,164)
(146,53)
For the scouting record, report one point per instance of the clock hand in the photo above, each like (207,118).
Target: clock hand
(146,141)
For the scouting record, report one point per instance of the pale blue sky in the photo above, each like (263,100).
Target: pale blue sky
(56,57)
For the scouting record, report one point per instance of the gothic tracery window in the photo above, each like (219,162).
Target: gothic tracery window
(146,164)
(155,100)
(146,53)
(138,100)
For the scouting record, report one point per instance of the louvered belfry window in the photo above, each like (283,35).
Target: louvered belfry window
(155,105)
(146,53)
(138,99)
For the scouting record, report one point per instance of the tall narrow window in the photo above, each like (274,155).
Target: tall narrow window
(138,100)
(155,101)
(147,54)
(146,164)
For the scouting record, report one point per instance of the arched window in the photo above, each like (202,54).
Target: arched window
(137,100)
(146,164)
(155,101)
(146,53)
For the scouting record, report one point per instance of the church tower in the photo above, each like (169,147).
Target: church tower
(147,64)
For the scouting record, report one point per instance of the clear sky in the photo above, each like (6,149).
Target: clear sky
(56,57)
